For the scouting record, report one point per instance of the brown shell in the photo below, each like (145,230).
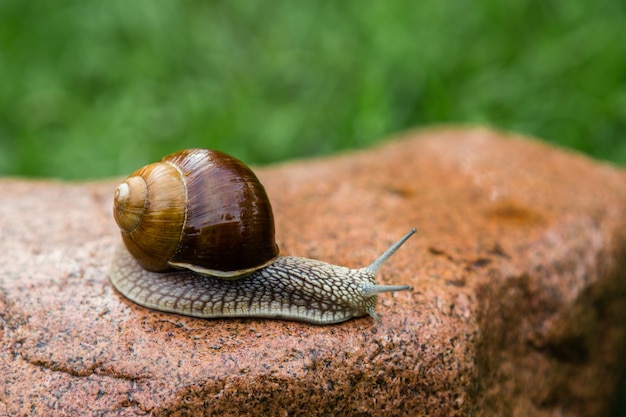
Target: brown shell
(197,209)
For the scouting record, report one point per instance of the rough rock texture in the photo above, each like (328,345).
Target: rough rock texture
(518,305)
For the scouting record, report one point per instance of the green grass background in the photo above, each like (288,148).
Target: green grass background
(94,89)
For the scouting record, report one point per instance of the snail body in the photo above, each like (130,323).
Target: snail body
(246,278)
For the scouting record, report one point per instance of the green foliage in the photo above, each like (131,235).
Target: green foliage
(92,89)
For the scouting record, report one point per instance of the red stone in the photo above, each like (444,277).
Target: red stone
(518,308)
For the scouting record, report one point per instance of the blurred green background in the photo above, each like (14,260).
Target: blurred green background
(95,89)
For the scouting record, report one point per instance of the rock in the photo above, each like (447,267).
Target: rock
(518,305)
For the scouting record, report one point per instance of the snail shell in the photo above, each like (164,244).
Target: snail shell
(196,209)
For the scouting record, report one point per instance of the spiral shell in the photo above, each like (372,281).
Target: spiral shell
(196,209)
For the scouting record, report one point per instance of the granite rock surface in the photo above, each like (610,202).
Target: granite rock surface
(518,307)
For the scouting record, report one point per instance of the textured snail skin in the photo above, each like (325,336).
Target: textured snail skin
(290,288)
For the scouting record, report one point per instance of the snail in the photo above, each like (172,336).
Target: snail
(198,234)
